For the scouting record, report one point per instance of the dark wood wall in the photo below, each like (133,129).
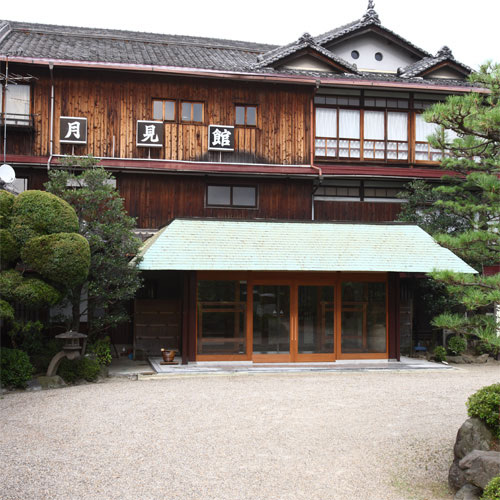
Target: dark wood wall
(362,211)
(156,199)
(112,102)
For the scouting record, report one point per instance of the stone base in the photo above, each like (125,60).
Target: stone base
(53,382)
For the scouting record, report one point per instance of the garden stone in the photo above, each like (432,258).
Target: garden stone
(468,358)
(456,476)
(33,385)
(483,358)
(481,466)
(473,435)
(459,360)
(468,492)
(51,382)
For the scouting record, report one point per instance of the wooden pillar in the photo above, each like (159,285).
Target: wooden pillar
(394,316)
(188,317)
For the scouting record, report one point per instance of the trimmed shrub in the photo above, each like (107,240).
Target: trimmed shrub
(102,350)
(457,345)
(492,490)
(485,405)
(36,213)
(9,281)
(9,249)
(6,202)
(484,346)
(81,368)
(6,311)
(62,258)
(15,368)
(440,353)
(35,294)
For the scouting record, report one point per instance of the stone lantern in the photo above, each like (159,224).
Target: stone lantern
(72,349)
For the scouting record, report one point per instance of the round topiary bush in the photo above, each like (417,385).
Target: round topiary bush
(457,345)
(9,281)
(6,202)
(62,258)
(36,213)
(35,294)
(440,353)
(9,249)
(492,490)
(485,405)
(6,311)
(15,368)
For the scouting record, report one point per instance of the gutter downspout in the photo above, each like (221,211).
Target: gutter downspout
(51,144)
(4,114)
(320,172)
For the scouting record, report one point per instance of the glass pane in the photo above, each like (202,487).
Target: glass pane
(319,99)
(240,115)
(349,123)
(374,125)
(17,99)
(219,195)
(169,110)
(251,115)
(397,126)
(331,100)
(186,111)
(157,110)
(244,196)
(221,317)
(271,319)
(315,319)
(326,122)
(363,318)
(424,129)
(197,112)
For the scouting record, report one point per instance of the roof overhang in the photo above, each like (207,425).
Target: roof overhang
(215,245)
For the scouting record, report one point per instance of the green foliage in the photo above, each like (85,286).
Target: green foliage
(36,213)
(102,350)
(440,353)
(9,249)
(457,345)
(485,404)
(62,258)
(34,293)
(109,230)
(15,368)
(6,202)
(489,346)
(492,490)
(9,281)
(82,368)
(6,311)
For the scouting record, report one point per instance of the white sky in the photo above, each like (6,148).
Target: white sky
(469,28)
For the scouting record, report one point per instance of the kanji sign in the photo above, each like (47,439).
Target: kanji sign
(149,134)
(73,130)
(221,138)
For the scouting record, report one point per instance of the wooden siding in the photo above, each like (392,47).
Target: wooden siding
(113,102)
(156,199)
(362,211)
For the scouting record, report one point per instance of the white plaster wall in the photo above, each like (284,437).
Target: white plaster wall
(446,73)
(308,63)
(367,45)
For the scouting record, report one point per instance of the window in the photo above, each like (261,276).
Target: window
(385,135)
(423,150)
(232,196)
(246,115)
(379,56)
(192,112)
(17,105)
(351,190)
(355,54)
(163,110)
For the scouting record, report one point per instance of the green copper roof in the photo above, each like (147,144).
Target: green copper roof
(222,245)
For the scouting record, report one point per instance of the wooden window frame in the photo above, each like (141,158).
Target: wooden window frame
(187,101)
(246,106)
(231,205)
(163,101)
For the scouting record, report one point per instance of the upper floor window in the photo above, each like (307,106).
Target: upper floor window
(231,196)
(16,103)
(192,112)
(246,115)
(163,110)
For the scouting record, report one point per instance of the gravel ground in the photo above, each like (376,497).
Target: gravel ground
(362,436)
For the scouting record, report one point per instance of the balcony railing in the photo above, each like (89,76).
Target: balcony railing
(16,120)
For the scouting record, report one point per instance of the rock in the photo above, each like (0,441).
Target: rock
(483,358)
(33,385)
(456,476)
(480,467)
(51,382)
(459,360)
(468,492)
(468,359)
(473,435)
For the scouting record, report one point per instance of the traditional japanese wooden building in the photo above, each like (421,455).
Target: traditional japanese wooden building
(267,176)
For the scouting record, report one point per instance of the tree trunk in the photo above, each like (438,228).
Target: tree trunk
(75,308)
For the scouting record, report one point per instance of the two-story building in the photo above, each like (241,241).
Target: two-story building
(268,176)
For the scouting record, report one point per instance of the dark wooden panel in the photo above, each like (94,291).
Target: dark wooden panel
(394,316)
(356,211)
(156,199)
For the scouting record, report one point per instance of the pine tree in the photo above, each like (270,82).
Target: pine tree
(112,279)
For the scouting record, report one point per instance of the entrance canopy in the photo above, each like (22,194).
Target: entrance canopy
(230,245)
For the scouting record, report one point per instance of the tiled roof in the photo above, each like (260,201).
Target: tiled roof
(419,67)
(305,41)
